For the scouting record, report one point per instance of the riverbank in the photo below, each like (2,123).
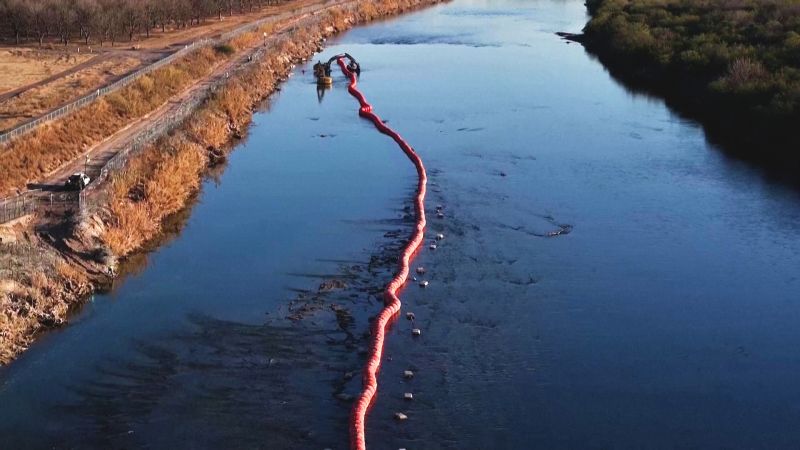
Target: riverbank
(158,182)
(671,303)
(734,68)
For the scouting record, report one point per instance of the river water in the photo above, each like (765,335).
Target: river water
(608,278)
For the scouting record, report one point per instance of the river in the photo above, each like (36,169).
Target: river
(608,278)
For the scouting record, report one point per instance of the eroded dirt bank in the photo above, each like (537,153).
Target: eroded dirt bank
(51,265)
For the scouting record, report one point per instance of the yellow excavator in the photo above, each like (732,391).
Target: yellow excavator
(323,70)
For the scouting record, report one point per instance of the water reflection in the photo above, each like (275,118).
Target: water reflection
(775,155)
(321,90)
(606,280)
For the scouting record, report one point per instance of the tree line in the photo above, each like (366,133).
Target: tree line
(108,21)
(737,61)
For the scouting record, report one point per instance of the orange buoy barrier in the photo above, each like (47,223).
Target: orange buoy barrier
(391,300)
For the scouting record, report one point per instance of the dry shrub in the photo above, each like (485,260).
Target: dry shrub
(201,62)
(247,40)
(132,224)
(368,11)
(145,85)
(170,171)
(68,272)
(251,38)
(169,178)
(744,74)
(338,19)
(175,178)
(13,325)
(45,150)
(262,80)
(234,101)
(209,127)
(38,280)
(41,300)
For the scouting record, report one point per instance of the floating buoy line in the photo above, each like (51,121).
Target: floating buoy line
(351,70)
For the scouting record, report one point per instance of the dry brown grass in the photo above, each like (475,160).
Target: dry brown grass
(43,151)
(34,156)
(234,100)
(158,182)
(169,172)
(248,40)
(210,127)
(41,99)
(20,67)
(67,271)
(166,178)
(36,295)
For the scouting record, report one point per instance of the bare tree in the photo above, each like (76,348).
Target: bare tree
(17,17)
(162,14)
(219,6)
(201,9)
(183,13)
(132,13)
(62,15)
(85,14)
(40,20)
(107,20)
(150,15)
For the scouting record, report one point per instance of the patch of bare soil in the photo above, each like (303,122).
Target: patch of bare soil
(42,99)
(23,66)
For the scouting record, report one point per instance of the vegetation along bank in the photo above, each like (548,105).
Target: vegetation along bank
(49,266)
(732,64)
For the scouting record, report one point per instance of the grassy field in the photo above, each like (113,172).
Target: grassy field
(44,150)
(22,66)
(736,62)
(37,79)
(42,99)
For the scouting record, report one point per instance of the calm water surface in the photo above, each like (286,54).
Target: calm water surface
(665,316)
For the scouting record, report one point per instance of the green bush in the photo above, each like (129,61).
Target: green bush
(747,48)
(224,49)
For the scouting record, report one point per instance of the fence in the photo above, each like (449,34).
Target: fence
(18,206)
(91,197)
(39,201)
(85,100)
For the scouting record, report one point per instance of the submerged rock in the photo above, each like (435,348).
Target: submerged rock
(331,285)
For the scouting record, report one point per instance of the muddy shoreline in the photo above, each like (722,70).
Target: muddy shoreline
(73,256)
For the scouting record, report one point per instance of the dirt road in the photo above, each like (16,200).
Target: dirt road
(147,50)
(95,158)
